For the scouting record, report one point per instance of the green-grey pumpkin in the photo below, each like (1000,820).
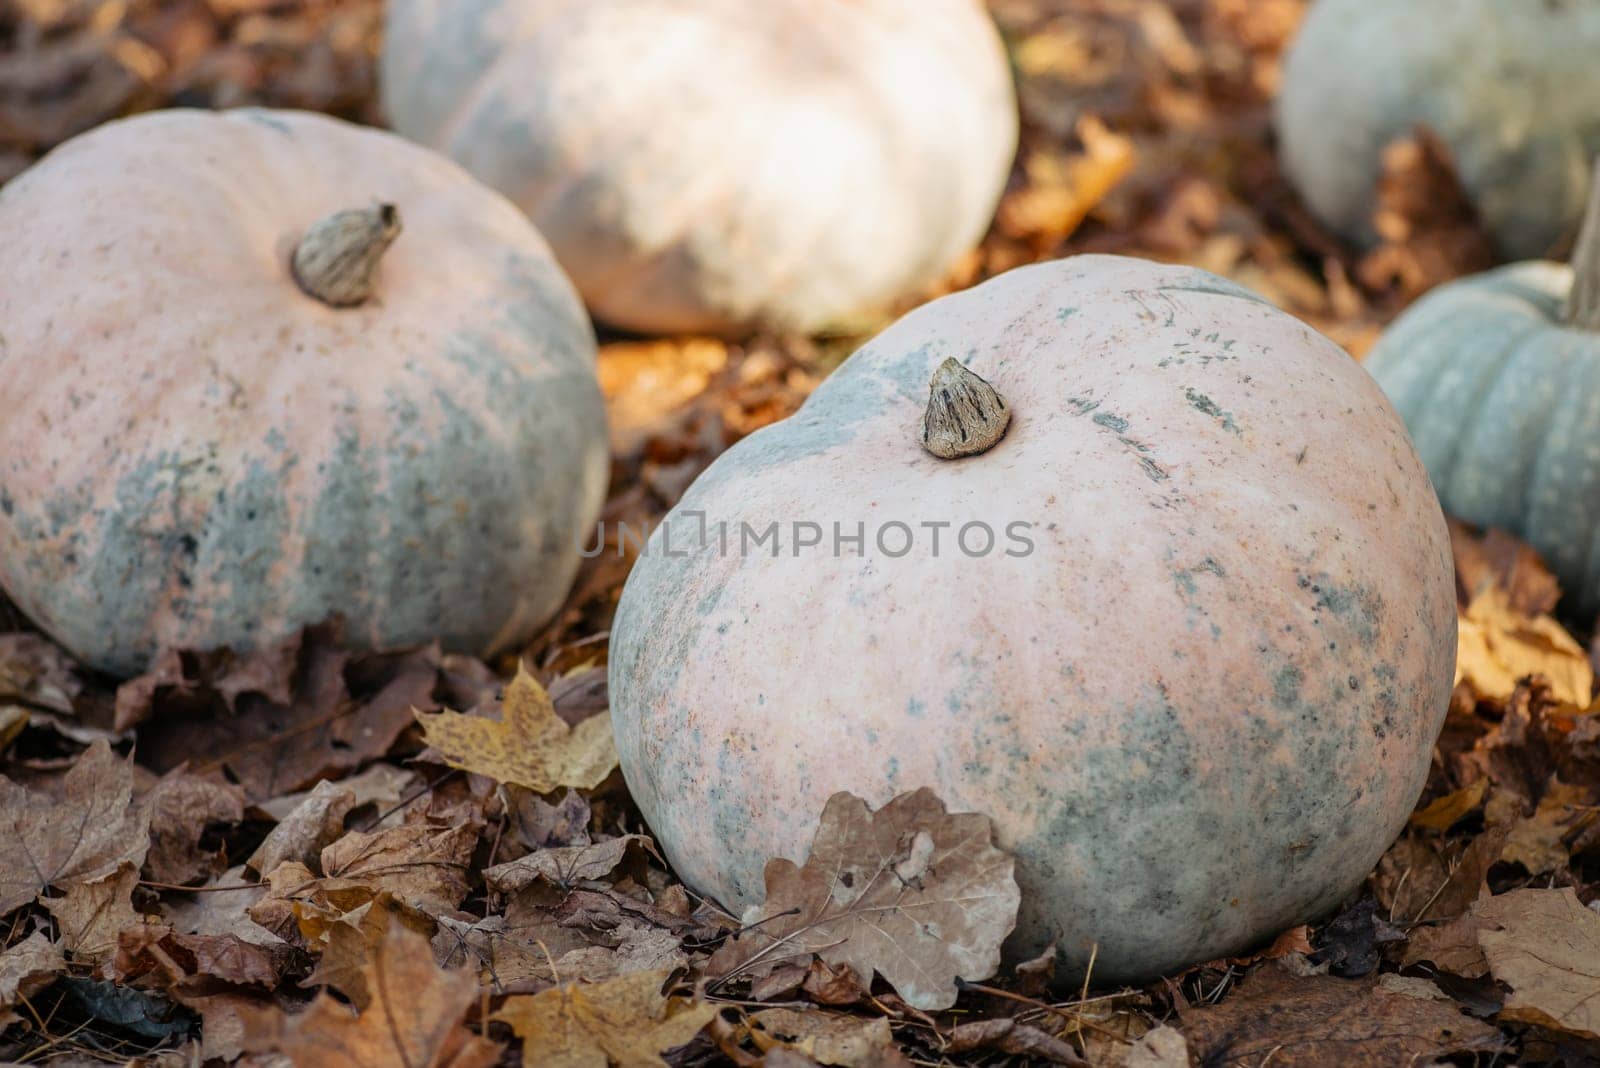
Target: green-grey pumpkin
(1498,379)
(1511,86)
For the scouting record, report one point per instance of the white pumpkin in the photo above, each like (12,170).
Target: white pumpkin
(1197,693)
(706,165)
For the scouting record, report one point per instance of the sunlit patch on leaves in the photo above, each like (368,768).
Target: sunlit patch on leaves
(917,895)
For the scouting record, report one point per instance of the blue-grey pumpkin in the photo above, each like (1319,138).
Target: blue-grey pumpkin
(1511,86)
(1498,379)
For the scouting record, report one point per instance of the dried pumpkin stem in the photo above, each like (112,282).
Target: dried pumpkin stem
(1583,303)
(337,259)
(965,415)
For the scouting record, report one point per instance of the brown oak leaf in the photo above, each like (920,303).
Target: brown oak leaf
(623,1021)
(86,834)
(918,895)
(564,866)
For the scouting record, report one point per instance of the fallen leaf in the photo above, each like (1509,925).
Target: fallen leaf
(182,807)
(1545,946)
(1497,647)
(219,907)
(644,382)
(540,825)
(546,950)
(1452,947)
(824,1037)
(1009,1036)
(86,835)
(303,833)
(1445,812)
(917,895)
(36,672)
(422,865)
(273,746)
(1317,1020)
(197,963)
(25,969)
(626,1021)
(1351,943)
(529,745)
(1419,880)
(345,942)
(1538,842)
(93,912)
(381,785)
(1496,558)
(414,1018)
(1063,189)
(564,867)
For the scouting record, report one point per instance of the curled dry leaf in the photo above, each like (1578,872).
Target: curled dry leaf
(541,948)
(530,745)
(1545,946)
(219,907)
(918,895)
(623,1021)
(413,1019)
(86,835)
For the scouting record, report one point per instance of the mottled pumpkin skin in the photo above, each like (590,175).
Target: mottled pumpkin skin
(707,165)
(1512,86)
(1503,403)
(193,452)
(1198,710)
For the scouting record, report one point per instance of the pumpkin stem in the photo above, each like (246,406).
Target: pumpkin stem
(337,259)
(1583,303)
(965,415)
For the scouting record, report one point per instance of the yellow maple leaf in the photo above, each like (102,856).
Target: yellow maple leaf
(529,745)
(624,1021)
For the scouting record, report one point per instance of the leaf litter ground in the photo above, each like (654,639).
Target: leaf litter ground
(291,865)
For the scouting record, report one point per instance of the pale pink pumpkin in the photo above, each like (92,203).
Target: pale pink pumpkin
(1197,693)
(195,452)
(707,165)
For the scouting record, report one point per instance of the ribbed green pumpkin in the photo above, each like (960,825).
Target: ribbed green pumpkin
(1498,379)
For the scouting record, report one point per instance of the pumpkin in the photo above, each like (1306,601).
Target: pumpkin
(1498,378)
(711,165)
(1512,89)
(262,367)
(1184,630)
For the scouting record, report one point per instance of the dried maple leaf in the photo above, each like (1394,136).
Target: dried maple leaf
(413,1019)
(624,1021)
(529,745)
(918,895)
(1452,947)
(93,912)
(423,865)
(84,835)
(1545,946)
(1497,647)
(1539,842)
(220,907)
(1317,1020)
(181,807)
